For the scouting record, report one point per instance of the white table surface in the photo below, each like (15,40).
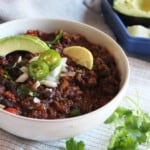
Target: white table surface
(97,139)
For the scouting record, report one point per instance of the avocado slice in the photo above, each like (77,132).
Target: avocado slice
(22,42)
(133,11)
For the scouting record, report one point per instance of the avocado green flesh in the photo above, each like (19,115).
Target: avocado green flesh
(22,42)
(134,8)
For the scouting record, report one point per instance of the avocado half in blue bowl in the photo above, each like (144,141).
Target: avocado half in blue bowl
(133,11)
(119,24)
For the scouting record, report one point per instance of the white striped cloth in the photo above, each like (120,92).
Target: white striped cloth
(97,139)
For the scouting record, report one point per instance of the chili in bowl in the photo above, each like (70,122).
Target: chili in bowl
(71,84)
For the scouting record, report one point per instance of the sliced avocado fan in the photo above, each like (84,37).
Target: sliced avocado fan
(23,43)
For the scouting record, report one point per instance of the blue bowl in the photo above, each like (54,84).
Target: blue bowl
(133,45)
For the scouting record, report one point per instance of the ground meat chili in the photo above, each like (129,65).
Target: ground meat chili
(75,95)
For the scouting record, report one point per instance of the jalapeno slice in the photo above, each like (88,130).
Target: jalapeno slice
(38,69)
(51,57)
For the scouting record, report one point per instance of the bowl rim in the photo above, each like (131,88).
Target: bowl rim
(126,80)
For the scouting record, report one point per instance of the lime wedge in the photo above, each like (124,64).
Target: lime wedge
(22,42)
(80,55)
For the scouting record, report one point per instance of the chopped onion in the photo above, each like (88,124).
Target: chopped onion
(23,77)
(68,74)
(49,83)
(49,89)
(24,69)
(19,59)
(54,73)
(34,58)
(36,100)
(51,80)
(60,68)
(63,64)
(36,85)
(53,77)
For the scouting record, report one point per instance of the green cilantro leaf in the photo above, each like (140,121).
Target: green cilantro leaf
(71,144)
(132,128)
(23,91)
(56,40)
(121,141)
(7,75)
(119,113)
(75,112)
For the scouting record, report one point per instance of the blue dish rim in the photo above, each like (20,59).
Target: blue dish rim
(129,43)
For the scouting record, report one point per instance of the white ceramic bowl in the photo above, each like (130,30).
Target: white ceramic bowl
(37,129)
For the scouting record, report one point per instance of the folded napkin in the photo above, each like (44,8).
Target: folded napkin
(93,5)
(14,9)
(87,11)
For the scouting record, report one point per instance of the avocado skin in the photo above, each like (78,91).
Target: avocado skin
(129,20)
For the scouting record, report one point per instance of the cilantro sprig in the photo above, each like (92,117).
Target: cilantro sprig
(56,40)
(132,128)
(71,144)
(23,91)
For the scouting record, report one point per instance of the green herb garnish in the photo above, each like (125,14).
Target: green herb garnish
(75,112)
(23,91)
(7,75)
(132,128)
(56,40)
(14,65)
(79,71)
(71,144)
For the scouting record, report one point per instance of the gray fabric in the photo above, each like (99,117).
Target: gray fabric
(14,9)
